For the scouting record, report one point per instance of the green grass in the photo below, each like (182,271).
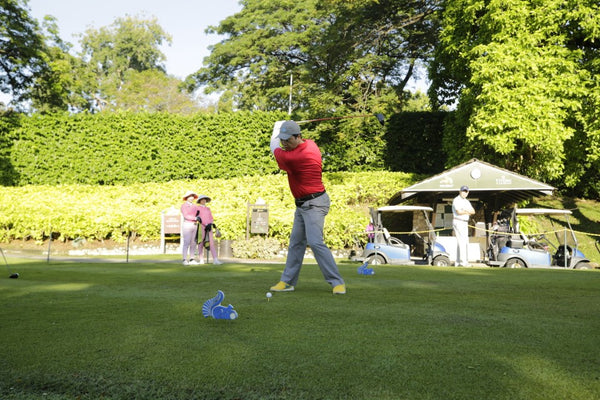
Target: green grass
(136,331)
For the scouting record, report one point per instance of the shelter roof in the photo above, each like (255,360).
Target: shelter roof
(486,182)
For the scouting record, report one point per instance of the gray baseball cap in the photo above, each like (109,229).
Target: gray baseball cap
(288,129)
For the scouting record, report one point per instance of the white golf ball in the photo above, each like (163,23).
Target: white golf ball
(269,294)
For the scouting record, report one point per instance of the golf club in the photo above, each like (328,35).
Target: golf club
(379,117)
(11,275)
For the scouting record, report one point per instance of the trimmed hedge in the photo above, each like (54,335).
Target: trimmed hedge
(126,148)
(110,212)
(123,148)
(415,139)
(95,176)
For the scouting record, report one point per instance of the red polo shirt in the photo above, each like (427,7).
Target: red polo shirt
(304,168)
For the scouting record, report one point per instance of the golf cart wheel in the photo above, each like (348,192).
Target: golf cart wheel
(583,265)
(376,260)
(515,263)
(441,261)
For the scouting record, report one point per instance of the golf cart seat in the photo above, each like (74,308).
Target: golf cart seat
(391,240)
(386,235)
(515,243)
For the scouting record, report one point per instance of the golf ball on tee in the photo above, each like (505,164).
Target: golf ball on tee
(269,294)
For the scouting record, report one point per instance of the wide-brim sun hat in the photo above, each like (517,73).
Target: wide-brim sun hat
(203,196)
(188,194)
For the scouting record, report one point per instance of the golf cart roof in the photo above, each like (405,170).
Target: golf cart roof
(542,211)
(404,208)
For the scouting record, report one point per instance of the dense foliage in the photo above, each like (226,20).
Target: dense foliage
(524,76)
(111,212)
(125,148)
(21,49)
(120,67)
(127,68)
(414,142)
(343,56)
(107,148)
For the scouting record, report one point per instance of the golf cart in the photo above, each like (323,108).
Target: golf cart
(510,247)
(384,248)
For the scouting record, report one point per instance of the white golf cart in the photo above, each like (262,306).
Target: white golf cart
(513,248)
(383,248)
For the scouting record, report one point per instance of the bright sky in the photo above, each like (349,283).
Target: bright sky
(184,20)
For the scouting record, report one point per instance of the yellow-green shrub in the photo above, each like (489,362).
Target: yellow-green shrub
(109,212)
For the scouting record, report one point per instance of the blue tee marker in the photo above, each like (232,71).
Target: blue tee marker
(213,308)
(365,270)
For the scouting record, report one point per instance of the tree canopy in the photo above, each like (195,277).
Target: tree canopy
(323,58)
(120,67)
(21,48)
(349,56)
(524,78)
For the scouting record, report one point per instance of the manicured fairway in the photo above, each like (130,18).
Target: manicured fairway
(72,330)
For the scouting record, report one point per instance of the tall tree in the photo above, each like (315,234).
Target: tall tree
(341,57)
(339,54)
(522,76)
(67,83)
(129,44)
(154,91)
(21,48)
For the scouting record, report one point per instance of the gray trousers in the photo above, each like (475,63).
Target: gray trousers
(308,230)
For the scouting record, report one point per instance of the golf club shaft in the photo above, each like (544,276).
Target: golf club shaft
(379,117)
(6,262)
(4,257)
(330,118)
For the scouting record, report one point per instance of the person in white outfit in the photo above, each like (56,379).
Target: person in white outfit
(461,211)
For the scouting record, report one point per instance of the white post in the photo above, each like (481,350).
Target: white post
(162,233)
(290,102)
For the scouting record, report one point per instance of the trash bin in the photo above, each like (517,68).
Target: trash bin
(225,249)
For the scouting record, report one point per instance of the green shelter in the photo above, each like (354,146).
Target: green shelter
(491,189)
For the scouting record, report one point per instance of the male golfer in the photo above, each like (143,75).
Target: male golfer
(461,211)
(301,159)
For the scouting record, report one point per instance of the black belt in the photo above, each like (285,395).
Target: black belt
(301,200)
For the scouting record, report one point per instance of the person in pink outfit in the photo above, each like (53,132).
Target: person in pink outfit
(189,227)
(205,229)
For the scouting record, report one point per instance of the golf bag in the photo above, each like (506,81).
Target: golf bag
(504,226)
(203,235)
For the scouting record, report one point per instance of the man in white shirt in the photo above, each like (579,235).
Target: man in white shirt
(461,211)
